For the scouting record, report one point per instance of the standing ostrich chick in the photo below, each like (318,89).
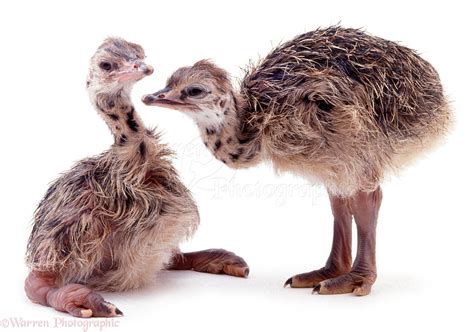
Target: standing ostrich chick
(336,106)
(112,221)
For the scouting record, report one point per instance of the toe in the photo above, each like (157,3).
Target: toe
(86,313)
(77,311)
(100,307)
(316,289)
(362,290)
(346,283)
(80,301)
(106,309)
(218,261)
(236,270)
(334,286)
(303,281)
(309,279)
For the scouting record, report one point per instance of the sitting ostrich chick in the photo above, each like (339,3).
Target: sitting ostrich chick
(336,106)
(112,221)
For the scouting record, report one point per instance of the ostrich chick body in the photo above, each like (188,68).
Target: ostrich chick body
(335,105)
(114,220)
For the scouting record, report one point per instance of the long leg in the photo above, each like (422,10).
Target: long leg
(217,261)
(75,299)
(340,258)
(365,208)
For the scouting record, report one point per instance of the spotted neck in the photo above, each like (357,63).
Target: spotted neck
(132,141)
(119,113)
(230,139)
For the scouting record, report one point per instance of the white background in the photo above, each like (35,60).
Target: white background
(280,224)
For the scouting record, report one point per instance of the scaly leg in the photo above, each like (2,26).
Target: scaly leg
(365,208)
(76,299)
(340,258)
(216,261)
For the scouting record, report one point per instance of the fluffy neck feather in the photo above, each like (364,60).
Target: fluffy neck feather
(133,142)
(226,135)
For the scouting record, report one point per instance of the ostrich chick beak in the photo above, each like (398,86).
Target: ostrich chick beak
(135,71)
(167,98)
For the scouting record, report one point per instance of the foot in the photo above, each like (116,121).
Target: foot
(80,301)
(357,283)
(311,279)
(216,261)
(76,299)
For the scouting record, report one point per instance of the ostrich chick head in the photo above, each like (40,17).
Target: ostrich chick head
(202,91)
(117,64)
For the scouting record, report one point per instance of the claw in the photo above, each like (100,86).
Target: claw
(316,289)
(289,282)
(246,272)
(111,310)
(357,291)
(86,313)
(361,291)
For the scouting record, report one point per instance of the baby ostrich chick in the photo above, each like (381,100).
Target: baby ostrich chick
(336,106)
(112,221)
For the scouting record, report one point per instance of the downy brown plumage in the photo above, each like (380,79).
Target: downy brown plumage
(114,220)
(334,105)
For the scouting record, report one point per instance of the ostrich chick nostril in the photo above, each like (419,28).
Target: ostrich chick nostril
(148,99)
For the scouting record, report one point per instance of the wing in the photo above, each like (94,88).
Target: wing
(61,218)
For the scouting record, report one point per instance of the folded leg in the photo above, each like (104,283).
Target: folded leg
(76,299)
(216,261)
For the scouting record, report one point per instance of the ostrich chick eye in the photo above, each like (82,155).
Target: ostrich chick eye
(195,91)
(105,66)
